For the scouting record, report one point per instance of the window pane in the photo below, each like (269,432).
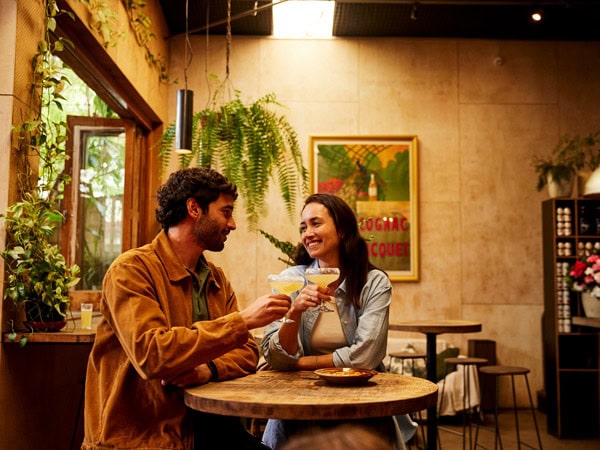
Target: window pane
(100,204)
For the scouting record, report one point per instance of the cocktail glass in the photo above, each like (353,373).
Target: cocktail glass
(322,276)
(286,284)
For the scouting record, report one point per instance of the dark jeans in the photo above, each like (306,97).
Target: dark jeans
(214,432)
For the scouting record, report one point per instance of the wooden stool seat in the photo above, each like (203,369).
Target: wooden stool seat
(408,355)
(512,371)
(468,361)
(504,370)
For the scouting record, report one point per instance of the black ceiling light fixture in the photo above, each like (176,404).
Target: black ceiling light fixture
(185,100)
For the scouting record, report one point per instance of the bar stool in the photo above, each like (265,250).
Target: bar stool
(412,357)
(512,371)
(466,363)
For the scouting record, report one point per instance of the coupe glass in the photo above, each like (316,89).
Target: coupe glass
(286,284)
(322,276)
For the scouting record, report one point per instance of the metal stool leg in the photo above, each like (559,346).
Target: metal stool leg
(537,431)
(497,437)
(497,372)
(512,379)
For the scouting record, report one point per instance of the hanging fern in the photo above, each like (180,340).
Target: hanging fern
(251,145)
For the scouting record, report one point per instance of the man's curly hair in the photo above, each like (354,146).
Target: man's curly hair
(203,184)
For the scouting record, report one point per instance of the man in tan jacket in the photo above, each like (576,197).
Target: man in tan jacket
(170,320)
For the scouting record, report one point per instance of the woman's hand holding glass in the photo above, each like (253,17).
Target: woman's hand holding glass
(323,277)
(309,297)
(285,284)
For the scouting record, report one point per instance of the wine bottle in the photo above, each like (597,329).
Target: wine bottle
(372,188)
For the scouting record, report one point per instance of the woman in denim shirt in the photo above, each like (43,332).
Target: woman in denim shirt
(355,336)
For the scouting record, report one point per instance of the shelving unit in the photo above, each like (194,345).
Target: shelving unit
(571,230)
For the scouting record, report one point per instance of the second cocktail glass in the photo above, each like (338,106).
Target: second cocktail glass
(322,276)
(286,284)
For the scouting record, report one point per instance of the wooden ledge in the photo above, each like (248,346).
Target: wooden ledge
(77,336)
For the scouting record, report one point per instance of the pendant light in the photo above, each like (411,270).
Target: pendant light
(185,103)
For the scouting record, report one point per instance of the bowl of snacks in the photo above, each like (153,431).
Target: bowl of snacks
(345,375)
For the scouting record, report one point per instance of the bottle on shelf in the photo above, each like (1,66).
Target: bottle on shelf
(584,222)
(372,188)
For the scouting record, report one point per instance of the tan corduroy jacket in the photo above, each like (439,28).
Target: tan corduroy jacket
(146,334)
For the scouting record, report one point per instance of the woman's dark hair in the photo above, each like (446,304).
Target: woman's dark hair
(202,184)
(353,253)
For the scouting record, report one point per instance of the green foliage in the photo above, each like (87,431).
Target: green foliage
(287,248)
(44,133)
(103,20)
(251,145)
(37,271)
(571,154)
(140,24)
(38,275)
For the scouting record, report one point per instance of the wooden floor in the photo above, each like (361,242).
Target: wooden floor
(449,440)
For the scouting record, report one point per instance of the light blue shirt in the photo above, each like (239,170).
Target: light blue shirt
(366,332)
(365,328)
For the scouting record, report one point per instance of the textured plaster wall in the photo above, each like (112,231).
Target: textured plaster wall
(480,109)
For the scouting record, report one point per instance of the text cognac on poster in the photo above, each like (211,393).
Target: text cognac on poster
(375,225)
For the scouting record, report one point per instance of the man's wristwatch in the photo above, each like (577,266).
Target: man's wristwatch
(214,373)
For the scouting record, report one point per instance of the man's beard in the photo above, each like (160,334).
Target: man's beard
(208,234)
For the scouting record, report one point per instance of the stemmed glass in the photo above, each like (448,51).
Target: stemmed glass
(322,276)
(286,284)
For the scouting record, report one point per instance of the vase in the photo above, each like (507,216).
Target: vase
(41,317)
(591,305)
(592,185)
(562,188)
(49,327)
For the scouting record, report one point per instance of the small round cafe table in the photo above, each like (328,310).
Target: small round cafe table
(302,395)
(432,328)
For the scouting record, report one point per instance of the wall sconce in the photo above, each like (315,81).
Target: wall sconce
(185,103)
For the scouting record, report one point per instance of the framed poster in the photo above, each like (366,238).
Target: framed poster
(377,177)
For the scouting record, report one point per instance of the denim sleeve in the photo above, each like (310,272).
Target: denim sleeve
(275,355)
(368,331)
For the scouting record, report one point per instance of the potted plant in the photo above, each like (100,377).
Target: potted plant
(251,144)
(559,176)
(38,277)
(571,156)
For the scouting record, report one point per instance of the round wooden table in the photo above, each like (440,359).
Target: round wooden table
(432,328)
(302,395)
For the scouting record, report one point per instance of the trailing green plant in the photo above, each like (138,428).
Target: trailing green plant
(38,276)
(570,155)
(103,20)
(140,25)
(251,144)
(582,152)
(44,134)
